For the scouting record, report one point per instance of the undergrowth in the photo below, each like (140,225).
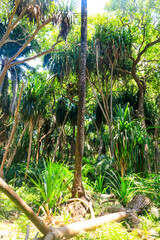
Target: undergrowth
(15,223)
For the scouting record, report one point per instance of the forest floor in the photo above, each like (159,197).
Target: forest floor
(13,224)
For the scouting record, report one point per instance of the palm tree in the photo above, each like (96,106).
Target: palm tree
(77,183)
(64,61)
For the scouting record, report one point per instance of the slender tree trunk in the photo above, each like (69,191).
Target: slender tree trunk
(157,151)
(111,110)
(73,143)
(122,165)
(15,150)
(61,146)
(140,110)
(5,92)
(61,131)
(38,141)
(3,73)
(30,145)
(12,133)
(142,88)
(77,183)
(14,89)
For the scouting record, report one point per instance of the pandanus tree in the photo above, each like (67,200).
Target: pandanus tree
(62,112)
(65,62)
(40,14)
(129,141)
(33,106)
(110,49)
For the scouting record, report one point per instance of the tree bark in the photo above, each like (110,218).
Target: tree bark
(38,141)
(157,151)
(14,89)
(30,145)
(73,142)
(111,110)
(15,150)
(77,183)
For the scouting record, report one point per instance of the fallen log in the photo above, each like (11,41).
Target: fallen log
(71,230)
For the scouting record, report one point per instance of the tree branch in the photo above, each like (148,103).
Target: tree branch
(100,105)
(145,49)
(11,25)
(30,39)
(16,41)
(123,71)
(36,56)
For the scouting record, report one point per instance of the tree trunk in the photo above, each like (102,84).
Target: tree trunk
(73,143)
(157,151)
(38,141)
(14,89)
(61,131)
(77,183)
(122,165)
(12,133)
(5,93)
(3,73)
(140,110)
(15,150)
(142,88)
(111,110)
(30,145)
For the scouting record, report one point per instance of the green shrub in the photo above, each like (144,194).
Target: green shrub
(52,182)
(123,187)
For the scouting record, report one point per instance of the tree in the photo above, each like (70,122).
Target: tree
(34,106)
(77,183)
(145,23)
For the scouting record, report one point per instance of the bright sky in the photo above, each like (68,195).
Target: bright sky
(96,6)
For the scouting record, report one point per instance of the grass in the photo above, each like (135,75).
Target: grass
(13,223)
(110,231)
(15,229)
